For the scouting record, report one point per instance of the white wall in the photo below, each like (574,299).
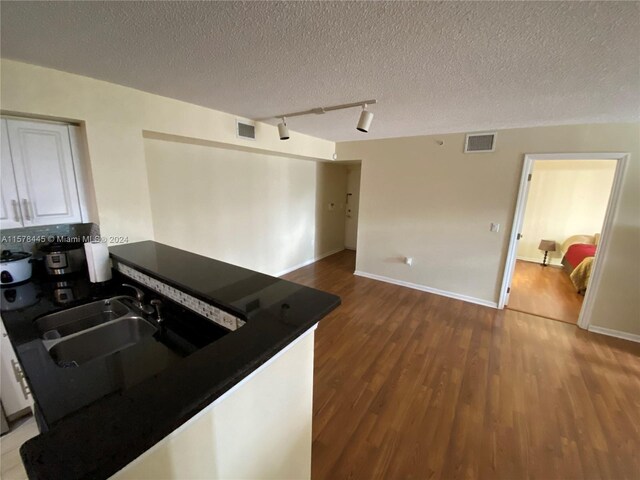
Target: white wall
(353,207)
(435,203)
(264,212)
(566,197)
(114,119)
(259,430)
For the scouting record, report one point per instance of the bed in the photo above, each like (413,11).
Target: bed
(578,254)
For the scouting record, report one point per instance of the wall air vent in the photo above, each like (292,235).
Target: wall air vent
(480,142)
(245,130)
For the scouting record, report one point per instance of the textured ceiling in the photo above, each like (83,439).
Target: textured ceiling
(434,67)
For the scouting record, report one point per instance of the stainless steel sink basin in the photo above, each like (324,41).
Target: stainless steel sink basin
(77,335)
(74,320)
(100,341)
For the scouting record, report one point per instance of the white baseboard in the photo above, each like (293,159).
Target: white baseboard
(308,262)
(614,333)
(554,262)
(423,288)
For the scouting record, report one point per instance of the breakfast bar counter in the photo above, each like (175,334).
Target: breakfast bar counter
(221,327)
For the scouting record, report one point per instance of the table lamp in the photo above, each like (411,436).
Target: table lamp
(547,246)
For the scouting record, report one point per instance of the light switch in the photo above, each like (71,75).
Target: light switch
(495,227)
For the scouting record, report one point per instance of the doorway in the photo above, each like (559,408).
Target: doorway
(352,207)
(570,205)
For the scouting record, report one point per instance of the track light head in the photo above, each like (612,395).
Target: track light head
(283,130)
(363,124)
(366,117)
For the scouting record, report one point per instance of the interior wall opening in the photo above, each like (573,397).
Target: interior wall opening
(565,205)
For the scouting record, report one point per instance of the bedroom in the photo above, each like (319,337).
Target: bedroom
(562,225)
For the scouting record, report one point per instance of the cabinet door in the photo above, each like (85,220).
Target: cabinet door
(10,216)
(44,173)
(13,387)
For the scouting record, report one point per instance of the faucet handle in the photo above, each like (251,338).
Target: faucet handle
(158,304)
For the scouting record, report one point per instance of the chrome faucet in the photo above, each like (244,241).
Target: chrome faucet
(140,300)
(139,293)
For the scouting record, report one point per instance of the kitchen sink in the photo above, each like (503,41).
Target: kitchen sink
(77,335)
(100,341)
(76,319)
(99,329)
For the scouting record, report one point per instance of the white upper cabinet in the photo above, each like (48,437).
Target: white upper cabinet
(46,191)
(10,215)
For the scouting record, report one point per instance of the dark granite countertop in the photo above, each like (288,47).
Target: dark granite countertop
(97,425)
(238,290)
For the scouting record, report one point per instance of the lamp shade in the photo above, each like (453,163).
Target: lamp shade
(547,245)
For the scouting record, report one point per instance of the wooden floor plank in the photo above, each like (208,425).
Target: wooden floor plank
(545,292)
(412,385)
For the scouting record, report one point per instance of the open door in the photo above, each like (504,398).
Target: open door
(508,293)
(516,231)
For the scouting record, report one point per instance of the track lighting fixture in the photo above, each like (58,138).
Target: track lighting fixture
(365,120)
(283,130)
(364,123)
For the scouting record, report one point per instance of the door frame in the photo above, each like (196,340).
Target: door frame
(351,164)
(584,319)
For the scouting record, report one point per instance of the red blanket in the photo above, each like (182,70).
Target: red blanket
(578,252)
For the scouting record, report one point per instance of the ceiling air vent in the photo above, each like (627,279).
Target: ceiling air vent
(480,142)
(245,130)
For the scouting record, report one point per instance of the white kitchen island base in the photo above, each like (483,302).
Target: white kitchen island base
(260,429)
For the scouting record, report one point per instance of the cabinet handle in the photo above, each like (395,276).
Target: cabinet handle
(25,204)
(17,372)
(25,389)
(16,210)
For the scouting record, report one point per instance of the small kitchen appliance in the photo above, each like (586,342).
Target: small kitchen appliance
(61,258)
(16,267)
